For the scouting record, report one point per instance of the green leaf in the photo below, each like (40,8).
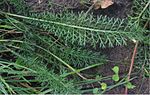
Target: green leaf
(95,91)
(116,69)
(129,85)
(103,86)
(98,77)
(6,27)
(115,77)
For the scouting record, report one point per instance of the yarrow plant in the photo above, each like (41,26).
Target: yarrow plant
(46,52)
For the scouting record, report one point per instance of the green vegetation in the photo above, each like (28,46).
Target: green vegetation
(48,54)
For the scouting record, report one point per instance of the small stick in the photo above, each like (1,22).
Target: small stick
(131,65)
(132,60)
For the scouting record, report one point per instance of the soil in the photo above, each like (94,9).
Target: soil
(119,55)
(119,9)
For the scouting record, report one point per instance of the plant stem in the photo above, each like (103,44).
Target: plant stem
(64,24)
(131,65)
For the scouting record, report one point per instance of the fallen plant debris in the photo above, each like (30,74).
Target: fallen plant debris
(102,3)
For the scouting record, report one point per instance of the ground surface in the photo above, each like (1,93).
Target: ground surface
(120,55)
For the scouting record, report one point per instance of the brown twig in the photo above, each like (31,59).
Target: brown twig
(131,65)
(132,60)
(134,52)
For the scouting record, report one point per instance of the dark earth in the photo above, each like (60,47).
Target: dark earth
(119,55)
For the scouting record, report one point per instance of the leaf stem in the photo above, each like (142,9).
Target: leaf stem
(131,65)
